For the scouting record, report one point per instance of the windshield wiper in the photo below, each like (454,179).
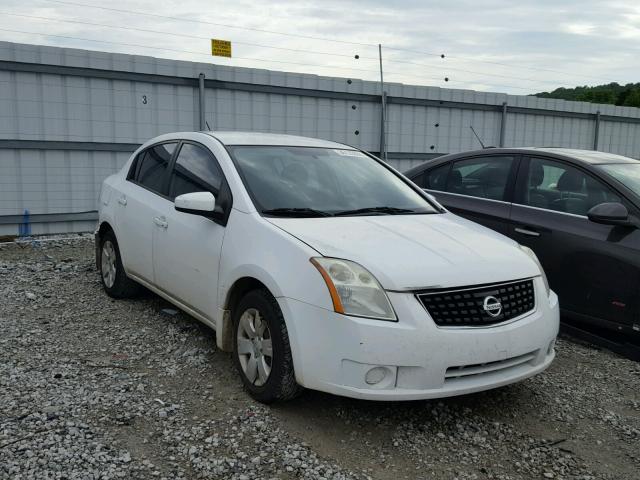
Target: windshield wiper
(382,210)
(296,212)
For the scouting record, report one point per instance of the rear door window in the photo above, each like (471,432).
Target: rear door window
(482,177)
(153,165)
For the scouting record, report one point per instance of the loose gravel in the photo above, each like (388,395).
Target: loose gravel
(92,388)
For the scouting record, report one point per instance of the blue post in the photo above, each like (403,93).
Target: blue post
(24,230)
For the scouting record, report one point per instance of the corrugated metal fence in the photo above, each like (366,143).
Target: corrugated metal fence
(69,118)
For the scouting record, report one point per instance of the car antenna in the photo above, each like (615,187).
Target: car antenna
(207,124)
(474,132)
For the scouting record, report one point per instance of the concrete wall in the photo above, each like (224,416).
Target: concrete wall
(69,118)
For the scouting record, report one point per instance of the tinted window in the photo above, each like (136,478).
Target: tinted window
(196,170)
(483,177)
(329,180)
(134,166)
(556,186)
(153,165)
(436,179)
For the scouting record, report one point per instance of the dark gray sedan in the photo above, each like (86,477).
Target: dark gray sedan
(578,210)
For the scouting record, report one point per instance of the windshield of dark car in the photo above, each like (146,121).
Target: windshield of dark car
(626,173)
(323,180)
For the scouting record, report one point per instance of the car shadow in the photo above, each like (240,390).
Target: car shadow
(511,398)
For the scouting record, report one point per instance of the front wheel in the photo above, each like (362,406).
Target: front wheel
(261,348)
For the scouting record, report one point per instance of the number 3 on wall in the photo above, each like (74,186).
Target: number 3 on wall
(144,99)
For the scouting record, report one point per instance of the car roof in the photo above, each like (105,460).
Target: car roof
(585,157)
(258,138)
(593,157)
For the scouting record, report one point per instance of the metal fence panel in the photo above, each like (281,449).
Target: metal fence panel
(52,182)
(548,131)
(56,107)
(622,138)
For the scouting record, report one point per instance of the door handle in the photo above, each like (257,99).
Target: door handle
(525,231)
(161,222)
(122,200)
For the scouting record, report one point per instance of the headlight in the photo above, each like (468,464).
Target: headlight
(354,291)
(534,257)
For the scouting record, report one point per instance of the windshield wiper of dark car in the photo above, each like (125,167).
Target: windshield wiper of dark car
(380,210)
(296,212)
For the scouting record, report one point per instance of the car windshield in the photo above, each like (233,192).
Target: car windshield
(626,173)
(306,181)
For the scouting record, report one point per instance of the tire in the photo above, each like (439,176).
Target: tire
(112,274)
(268,328)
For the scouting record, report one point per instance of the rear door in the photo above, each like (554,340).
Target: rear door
(479,188)
(587,263)
(137,206)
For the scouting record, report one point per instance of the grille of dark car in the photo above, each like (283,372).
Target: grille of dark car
(464,306)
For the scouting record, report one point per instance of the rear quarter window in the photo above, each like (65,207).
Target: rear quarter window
(131,175)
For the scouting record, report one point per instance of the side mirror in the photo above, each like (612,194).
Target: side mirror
(609,214)
(196,203)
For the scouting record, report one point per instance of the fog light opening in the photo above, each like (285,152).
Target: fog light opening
(375,375)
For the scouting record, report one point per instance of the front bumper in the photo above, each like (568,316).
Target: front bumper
(415,359)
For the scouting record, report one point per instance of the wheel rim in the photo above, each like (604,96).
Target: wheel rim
(255,349)
(108,264)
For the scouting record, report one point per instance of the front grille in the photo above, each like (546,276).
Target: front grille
(465,306)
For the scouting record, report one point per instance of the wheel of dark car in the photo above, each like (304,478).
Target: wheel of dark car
(114,279)
(261,348)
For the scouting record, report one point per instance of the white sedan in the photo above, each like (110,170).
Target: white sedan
(320,266)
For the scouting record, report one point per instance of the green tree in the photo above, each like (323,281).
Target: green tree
(632,99)
(612,93)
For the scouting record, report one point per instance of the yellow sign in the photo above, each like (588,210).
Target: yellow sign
(220,48)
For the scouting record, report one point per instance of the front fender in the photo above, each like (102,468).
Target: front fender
(254,248)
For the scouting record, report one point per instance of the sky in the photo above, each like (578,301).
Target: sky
(509,46)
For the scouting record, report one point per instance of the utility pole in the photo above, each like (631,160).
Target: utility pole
(596,132)
(383,118)
(201,101)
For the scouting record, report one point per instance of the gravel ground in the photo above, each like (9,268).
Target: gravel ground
(94,388)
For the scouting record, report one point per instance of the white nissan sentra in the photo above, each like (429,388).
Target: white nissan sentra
(320,266)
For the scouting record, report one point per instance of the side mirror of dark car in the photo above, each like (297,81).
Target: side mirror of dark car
(197,203)
(609,214)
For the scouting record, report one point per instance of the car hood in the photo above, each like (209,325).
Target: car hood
(408,252)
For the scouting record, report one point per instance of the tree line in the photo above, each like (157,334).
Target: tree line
(613,93)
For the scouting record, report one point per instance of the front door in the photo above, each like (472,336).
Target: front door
(588,265)
(187,247)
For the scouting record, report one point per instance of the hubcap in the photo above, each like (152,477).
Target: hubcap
(108,264)
(255,350)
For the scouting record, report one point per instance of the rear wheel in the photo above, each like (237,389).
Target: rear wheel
(114,279)
(261,348)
